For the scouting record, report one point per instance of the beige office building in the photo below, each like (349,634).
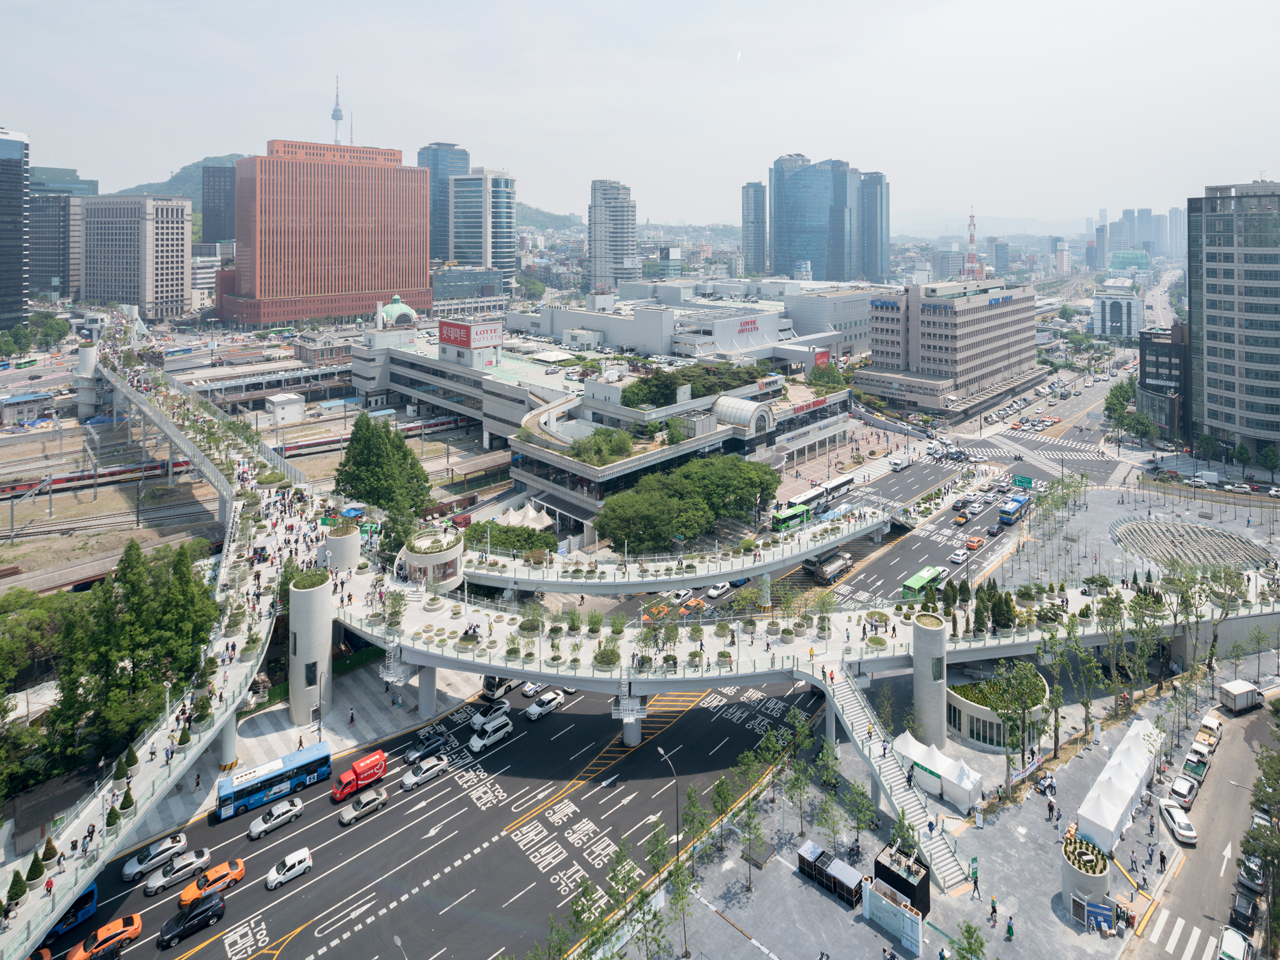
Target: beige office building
(137,250)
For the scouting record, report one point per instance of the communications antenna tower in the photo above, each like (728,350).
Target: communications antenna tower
(336,115)
(971,263)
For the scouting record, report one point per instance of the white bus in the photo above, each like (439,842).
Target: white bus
(836,486)
(807,499)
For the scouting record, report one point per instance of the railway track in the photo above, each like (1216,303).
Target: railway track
(119,520)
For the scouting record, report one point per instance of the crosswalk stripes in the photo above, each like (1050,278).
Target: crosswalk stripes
(1173,937)
(1160,921)
(1191,943)
(1193,939)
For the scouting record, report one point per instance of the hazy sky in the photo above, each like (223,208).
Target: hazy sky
(1040,111)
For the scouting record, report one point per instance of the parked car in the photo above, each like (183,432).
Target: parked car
(718,590)
(1244,912)
(180,868)
(1251,874)
(1183,792)
(1179,825)
(293,865)
(153,855)
(366,803)
(286,811)
(545,704)
(204,912)
(426,769)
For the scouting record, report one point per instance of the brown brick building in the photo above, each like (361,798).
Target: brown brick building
(324,230)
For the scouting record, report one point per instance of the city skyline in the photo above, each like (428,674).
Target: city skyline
(286,91)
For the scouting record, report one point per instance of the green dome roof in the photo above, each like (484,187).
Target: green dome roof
(396,312)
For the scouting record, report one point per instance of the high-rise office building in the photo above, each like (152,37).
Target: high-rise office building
(1000,257)
(815,218)
(61,181)
(1088,228)
(611,236)
(325,230)
(1117,237)
(1232,307)
(948,261)
(1100,249)
(57,246)
(137,250)
(15,237)
(1130,218)
(482,228)
(1145,232)
(444,160)
(1160,234)
(873,215)
(1177,232)
(755,228)
(218,204)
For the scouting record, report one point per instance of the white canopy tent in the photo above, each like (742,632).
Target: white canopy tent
(938,774)
(1118,790)
(526,516)
(962,787)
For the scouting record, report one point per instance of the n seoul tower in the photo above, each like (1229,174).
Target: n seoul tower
(337,113)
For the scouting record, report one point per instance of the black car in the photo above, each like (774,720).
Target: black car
(35,376)
(960,503)
(1244,912)
(425,747)
(204,912)
(995,530)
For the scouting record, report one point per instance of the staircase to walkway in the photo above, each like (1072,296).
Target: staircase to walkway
(856,714)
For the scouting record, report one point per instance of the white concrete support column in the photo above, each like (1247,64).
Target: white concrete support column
(875,793)
(227,746)
(340,553)
(427,693)
(310,652)
(929,677)
(831,721)
(631,733)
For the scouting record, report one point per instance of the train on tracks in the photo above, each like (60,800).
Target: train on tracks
(119,473)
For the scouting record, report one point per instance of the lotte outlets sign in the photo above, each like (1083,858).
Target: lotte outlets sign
(473,336)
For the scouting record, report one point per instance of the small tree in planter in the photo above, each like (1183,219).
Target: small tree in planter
(395,605)
(184,738)
(131,758)
(576,649)
(121,771)
(50,851)
(126,802)
(113,817)
(595,620)
(617,623)
(36,870)
(17,887)
(574,619)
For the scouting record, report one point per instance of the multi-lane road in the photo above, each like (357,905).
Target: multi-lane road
(468,865)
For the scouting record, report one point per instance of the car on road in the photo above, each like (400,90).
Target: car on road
(696,605)
(531,689)
(1274,492)
(115,934)
(1233,945)
(1039,409)
(1251,874)
(1178,823)
(366,803)
(35,376)
(1237,488)
(196,916)
(995,530)
(680,596)
(427,746)
(293,865)
(545,704)
(1183,792)
(989,498)
(490,735)
(718,590)
(286,811)
(973,543)
(214,880)
(153,855)
(178,869)
(1076,393)
(1244,912)
(958,556)
(426,769)
(499,708)
(655,613)
(960,503)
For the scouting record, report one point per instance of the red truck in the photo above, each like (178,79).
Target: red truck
(363,772)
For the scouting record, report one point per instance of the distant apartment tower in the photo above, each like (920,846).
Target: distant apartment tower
(873,215)
(1000,257)
(326,230)
(1232,324)
(1062,258)
(1130,218)
(611,236)
(137,250)
(815,218)
(61,181)
(1177,232)
(948,261)
(1160,234)
(444,160)
(57,246)
(15,237)
(1145,233)
(755,228)
(218,204)
(1118,236)
(1100,246)
(482,228)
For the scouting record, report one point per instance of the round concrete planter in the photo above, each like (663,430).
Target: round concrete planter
(774,628)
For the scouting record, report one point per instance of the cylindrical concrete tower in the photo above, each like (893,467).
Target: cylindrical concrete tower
(339,553)
(86,383)
(310,650)
(929,675)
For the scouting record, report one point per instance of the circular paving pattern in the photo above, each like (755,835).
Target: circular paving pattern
(1193,543)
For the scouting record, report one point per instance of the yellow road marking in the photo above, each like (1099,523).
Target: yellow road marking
(1147,916)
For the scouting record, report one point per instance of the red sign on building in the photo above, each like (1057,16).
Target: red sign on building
(473,336)
(822,358)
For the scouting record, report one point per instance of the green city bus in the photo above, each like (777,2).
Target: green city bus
(791,517)
(23,364)
(915,588)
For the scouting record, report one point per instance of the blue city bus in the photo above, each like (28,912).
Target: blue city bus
(1012,511)
(242,792)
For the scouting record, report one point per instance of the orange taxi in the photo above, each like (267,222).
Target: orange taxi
(214,880)
(973,543)
(123,931)
(696,605)
(655,613)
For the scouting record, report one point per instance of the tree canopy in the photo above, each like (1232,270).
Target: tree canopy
(492,535)
(686,501)
(659,388)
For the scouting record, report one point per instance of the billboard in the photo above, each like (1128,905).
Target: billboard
(822,358)
(473,336)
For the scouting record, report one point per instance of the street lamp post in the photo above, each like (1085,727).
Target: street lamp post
(320,711)
(663,754)
(396,941)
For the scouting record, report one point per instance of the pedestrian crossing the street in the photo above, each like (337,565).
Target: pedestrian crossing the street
(1175,945)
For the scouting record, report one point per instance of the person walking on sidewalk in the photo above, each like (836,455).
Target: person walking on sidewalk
(1133,861)
(976,892)
(993,911)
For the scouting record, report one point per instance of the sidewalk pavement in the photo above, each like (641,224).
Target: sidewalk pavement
(268,734)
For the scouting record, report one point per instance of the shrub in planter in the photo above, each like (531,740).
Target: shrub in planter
(126,803)
(529,655)
(17,887)
(722,629)
(646,662)
(906,615)
(747,544)
(513,651)
(36,870)
(121,771)
(724,655)
(788,632)
(50,852)
(113,817)
(608,657)
(695,656)
(669,659)
(530,626)
(184,738)
(555,631)
(897,607)
(749,622)
(1086,612)
(131,757)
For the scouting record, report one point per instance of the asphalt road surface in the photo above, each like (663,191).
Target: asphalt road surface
(468,865)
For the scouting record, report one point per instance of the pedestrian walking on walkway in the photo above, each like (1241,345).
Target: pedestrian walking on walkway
(993,911)
(48,887)
(1151,825)
(1162,861)
(976,892)
(352,719)
(1009,929)
(1144,878)
(196,788)
(62,861)
(1133,861)
(299,743)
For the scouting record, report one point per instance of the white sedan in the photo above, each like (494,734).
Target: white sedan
(958,556)
(718,590)
(426,769)
(545,704)
(293,865)
(1177,822)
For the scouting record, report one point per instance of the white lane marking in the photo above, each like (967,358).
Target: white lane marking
(565,730)
(1191,943)
(718,745)
(621,803)
(1155,934)
(1173,937)
(436,829)
(458,901)
(660,791)
(584,750)
(521,893)
(645,822)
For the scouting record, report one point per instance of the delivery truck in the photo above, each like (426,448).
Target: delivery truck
(827,569)
(366,770)
(1239,696)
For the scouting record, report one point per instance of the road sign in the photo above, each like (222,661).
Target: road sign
(1023,481)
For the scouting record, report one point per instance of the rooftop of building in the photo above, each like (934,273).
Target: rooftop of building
(1124,259)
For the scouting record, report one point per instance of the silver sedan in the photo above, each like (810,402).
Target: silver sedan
(154,855)
(286,811)
(178,870)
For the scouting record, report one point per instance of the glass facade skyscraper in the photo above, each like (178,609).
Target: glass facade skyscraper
(755,228)
(444,160)
(218,204)
(15,236)
(60,181)
(815,209)
(874,216)
(482,228)
(1233,306)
